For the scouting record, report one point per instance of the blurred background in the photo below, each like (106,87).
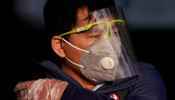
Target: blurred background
(151,24)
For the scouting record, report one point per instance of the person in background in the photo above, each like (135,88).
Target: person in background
(91,59)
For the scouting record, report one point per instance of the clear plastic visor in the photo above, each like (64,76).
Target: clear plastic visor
(106,23)
(109,23)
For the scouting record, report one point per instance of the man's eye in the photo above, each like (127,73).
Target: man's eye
(116,33)
(96,36)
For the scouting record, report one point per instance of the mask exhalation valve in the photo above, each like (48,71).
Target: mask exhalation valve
(107,63)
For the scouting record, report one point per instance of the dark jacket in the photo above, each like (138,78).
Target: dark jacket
(148,86)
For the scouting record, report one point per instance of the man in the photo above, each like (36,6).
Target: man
(94,59)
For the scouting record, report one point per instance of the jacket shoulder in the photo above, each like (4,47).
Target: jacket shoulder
(150,85)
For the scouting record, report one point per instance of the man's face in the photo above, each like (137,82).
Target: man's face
(103,43)
(84,39)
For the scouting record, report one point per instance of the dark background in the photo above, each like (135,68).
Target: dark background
(23,40)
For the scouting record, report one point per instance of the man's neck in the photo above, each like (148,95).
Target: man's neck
(75,73)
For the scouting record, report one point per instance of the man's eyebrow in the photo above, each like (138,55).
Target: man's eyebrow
(89,17)
(97,18)
(98,15)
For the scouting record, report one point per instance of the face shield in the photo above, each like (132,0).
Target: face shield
(109,56)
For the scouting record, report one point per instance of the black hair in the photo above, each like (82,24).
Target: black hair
(61,15)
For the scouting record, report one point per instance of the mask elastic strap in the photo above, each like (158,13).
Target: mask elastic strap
(76,46)
(81,66)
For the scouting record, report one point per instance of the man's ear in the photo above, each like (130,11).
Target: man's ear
(56,43)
